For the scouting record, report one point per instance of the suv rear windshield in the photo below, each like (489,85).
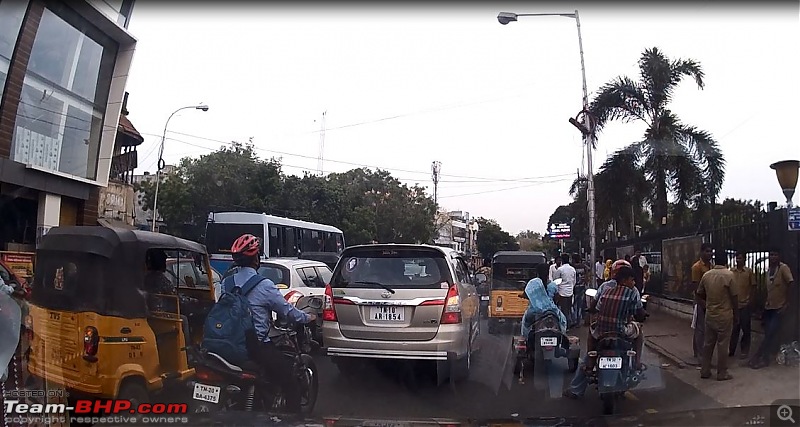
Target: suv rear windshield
(277,273)
(405,268)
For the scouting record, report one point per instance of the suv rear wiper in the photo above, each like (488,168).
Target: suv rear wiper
(367,282)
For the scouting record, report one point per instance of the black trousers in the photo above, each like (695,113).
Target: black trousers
(744,325)
(279,369)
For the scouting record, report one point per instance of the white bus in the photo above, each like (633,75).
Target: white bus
(282,237)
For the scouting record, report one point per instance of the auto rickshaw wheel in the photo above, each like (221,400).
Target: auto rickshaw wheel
(133,389)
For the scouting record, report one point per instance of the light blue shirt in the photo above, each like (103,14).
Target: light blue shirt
(264,299)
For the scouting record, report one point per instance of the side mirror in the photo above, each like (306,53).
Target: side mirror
(315,303)
(481,278)
(591,293)
(282,286)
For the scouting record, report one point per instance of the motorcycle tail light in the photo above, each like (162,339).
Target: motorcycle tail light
(206,375)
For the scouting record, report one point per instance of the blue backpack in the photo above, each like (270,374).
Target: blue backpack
(230,321)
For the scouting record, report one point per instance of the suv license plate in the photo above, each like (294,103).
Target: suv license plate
(610,363)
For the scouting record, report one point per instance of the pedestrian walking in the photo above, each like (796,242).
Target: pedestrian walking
(699,319)
(717,291)
(745,281)
(566,288)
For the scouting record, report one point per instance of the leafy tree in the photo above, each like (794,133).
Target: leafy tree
(232,178)
(492,238)
(533,241)
(676,158)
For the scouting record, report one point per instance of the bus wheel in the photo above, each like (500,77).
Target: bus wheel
(133,389)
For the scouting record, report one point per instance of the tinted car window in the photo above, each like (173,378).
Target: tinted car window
(325,275)
(275,273)
(309,276)
(395,268)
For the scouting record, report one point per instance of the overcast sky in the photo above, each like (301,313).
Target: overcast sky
(406,85)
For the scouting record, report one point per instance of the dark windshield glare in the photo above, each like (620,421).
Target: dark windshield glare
(422,271)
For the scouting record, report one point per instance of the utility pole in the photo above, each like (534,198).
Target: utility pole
(436,168)
(321,156)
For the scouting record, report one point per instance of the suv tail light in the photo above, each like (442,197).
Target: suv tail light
(328,308)
(452,307)
(292,297)
(91,341)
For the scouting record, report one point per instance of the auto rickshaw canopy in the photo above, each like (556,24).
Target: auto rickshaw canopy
(98,269)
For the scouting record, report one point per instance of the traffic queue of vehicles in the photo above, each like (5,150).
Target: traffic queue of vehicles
(99,334)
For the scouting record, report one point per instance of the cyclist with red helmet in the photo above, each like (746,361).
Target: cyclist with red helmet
(265,299)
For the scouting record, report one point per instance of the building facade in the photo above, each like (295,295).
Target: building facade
(455,229)
(63,70)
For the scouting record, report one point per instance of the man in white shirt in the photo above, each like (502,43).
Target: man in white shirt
(554,268)
(599,270)
(563,298)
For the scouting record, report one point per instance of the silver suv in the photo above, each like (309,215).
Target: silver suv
(398,301)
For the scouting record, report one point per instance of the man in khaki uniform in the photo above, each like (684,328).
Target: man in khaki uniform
(779,281)
(717,291)
(745,287)
(698,270)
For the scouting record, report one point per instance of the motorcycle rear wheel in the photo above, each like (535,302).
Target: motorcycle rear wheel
(308,378)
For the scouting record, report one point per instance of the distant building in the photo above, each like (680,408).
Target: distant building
(143,219)
(455,229)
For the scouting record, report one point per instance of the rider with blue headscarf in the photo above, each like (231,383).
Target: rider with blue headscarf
(540,300)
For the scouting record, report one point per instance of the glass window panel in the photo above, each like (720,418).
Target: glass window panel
(61,111)
(11,15)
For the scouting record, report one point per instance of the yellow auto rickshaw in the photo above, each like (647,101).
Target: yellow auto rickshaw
(97,330)
(511,271)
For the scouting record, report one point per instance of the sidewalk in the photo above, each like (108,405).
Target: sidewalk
(671,336)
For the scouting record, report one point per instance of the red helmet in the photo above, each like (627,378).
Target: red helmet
(617,265)
(247,245)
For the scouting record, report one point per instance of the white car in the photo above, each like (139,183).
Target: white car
(294,277)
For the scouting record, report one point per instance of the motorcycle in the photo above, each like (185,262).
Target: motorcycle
(613,364)
(545,342)
(222,386)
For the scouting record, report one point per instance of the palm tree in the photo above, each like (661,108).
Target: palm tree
(677,158)
(621,190)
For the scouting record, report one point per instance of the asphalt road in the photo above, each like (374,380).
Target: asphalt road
(395,391)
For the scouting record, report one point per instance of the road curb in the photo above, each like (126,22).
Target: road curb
(666,353)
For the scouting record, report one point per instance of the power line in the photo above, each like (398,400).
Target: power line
(504,189)
(471,178)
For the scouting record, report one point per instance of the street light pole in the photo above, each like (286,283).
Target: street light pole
(588,123)
(160,164)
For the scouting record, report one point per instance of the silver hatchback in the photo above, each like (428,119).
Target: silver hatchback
(396,301)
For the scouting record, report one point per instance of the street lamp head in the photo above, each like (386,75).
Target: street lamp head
(787,172)
(202,107)
(506,17)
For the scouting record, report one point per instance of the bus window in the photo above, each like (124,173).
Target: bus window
(330,242)
(274,241)
(289,241)
(316,240)
(220,236)
(309,243)
(339,243)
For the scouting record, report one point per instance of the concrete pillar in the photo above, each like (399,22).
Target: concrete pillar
(48,214)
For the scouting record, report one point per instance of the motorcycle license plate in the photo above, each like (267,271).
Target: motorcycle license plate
(548,341)
(610,363)
(206,393)
(485,298)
